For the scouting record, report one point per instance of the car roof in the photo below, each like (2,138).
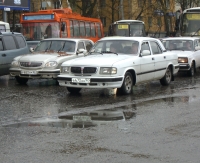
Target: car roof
(10,33)
(69,39)
(181,38)
(129,38)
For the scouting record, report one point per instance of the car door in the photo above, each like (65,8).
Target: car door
(197,52)
(2,58)
(146,64)
(160,59)
(8,53)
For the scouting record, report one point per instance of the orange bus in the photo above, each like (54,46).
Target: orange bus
(59,23)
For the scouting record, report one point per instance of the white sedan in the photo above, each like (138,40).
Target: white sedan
(104,67)
(188,50)
(47,58)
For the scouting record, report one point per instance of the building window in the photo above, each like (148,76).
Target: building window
(150,21)
(57,4)
(168,4)
(159,22)
(102,3)
(32,7)
(103,20)
(43,5)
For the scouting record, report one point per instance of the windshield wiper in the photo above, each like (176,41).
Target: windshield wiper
(48,47)
(195,32)
(109,52)
(61,47)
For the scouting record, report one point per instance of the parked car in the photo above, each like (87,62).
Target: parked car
(11,45)
(104,67)
(188,50)
(47,57)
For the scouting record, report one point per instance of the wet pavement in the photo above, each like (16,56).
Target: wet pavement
(41,122)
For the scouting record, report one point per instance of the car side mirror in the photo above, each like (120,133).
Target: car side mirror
(145,53)
(197,48)
(31,49)
(81,51)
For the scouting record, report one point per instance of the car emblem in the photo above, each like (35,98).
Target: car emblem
(82,70)
(29,63)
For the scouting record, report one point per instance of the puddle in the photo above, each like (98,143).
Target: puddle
(80,120)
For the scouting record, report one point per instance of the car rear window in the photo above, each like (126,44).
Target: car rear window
(20,41)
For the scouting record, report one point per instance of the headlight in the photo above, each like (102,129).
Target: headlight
(182,60)
(65,69)
(51,64)
(108,70)
(15,63)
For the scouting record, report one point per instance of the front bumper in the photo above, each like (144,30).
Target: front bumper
(95,82)
(184,67)
(34,74)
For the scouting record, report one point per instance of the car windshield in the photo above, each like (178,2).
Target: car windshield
(56,45)
(185,45)
(116,46)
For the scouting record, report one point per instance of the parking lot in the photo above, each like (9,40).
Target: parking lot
(154,124)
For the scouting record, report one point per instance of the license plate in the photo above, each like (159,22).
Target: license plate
(29,72)
(80,80)
(81,118)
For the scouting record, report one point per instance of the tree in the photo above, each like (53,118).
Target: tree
(87,7)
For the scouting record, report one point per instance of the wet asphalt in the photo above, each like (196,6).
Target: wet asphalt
(41,122)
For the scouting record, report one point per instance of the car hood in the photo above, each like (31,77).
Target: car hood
(181,53)
(42,56)
(98,60)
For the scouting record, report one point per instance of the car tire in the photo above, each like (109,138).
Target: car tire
(73,90)
(20,80)
(167,78)
(191,70)
(127,86)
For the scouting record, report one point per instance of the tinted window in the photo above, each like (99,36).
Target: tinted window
(99,30)
(71,28)
(82,28)
(1,45)
(87,27)
(81,45)
(93,34)
(20,41)
(9,43)
(145,46)
(155,48)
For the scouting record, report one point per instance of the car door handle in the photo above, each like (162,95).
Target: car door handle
(164,57)
(152,58)
(3,55)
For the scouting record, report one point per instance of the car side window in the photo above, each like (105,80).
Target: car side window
(9,42)
(20,41)
(145,46)
(81,45)
(155,48)
(88,45)
(1,45)
(196,43)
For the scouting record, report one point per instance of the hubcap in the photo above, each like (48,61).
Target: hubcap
(168,75)
(128,83)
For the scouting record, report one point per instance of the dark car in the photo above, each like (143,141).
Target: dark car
(11,45)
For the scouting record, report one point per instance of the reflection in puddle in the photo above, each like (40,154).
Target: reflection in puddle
(80,120)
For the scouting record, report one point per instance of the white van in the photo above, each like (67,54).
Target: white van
(4,27)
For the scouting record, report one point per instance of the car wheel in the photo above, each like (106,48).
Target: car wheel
(127,85)
(21,80)
(167,78)
(73,90)
(192,70)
